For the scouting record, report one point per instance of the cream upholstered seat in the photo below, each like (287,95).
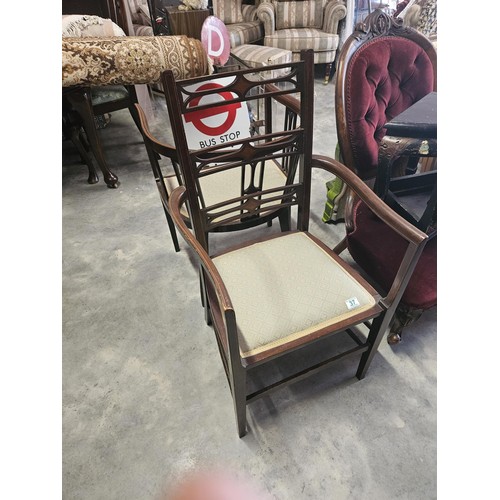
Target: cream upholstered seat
(292,288)
(275,294)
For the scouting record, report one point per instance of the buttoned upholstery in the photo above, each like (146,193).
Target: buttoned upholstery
(383,69)
(384,78)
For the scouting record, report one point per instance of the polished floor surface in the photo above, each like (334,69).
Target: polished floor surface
(145,398)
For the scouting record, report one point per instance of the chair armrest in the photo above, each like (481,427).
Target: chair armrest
(177,199)
(158,146)
(249,13)
(335,10)
(416,239)
(401,226)
(266,13)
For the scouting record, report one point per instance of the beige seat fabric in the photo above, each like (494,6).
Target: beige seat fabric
(284,288)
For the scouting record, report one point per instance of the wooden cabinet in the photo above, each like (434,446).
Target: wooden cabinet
(186,22)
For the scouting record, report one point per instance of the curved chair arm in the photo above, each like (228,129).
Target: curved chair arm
(404,228)
(266,13)
(158,146)
(177,199)
(155,149)
(249,13)
(416,239)
(227,327)
(335,10)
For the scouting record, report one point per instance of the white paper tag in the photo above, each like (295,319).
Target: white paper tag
(352,303)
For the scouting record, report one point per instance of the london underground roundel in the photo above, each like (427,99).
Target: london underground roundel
(212,126)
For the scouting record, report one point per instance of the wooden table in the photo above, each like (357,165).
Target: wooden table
(413,134)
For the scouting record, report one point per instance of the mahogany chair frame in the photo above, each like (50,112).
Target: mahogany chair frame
(157,150)
(298,141)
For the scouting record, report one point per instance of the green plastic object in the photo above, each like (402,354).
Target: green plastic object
(334,187)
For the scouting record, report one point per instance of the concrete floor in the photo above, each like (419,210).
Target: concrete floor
(145,398)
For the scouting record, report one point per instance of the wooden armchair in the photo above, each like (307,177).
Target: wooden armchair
(302,25)
(383,69)
(277,294)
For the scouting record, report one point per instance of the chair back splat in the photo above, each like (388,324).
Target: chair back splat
(256,167)
(274,294)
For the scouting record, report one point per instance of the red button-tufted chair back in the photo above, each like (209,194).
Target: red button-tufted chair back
(379,76)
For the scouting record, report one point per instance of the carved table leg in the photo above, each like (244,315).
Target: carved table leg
(403,317)
(76,139)
(82,104)
(72,129)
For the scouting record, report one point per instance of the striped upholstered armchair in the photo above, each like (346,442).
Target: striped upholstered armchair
(307,24)
(241,21)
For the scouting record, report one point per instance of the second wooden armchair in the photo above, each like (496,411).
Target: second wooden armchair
(276,294)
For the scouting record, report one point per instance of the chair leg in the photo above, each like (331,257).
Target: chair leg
(240,399)
(135,117)
(377,330)
(76,139)
(327,73)
(83,106)
(204,299)
(403,317)
(285,218)
(173,232)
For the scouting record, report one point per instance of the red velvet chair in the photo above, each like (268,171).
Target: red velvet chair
(383,69)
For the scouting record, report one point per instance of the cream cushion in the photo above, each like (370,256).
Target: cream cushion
(285,288)
(257,56)
(75,25)
(299,14)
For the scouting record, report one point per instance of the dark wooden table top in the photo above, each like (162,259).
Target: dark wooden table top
(419,120)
